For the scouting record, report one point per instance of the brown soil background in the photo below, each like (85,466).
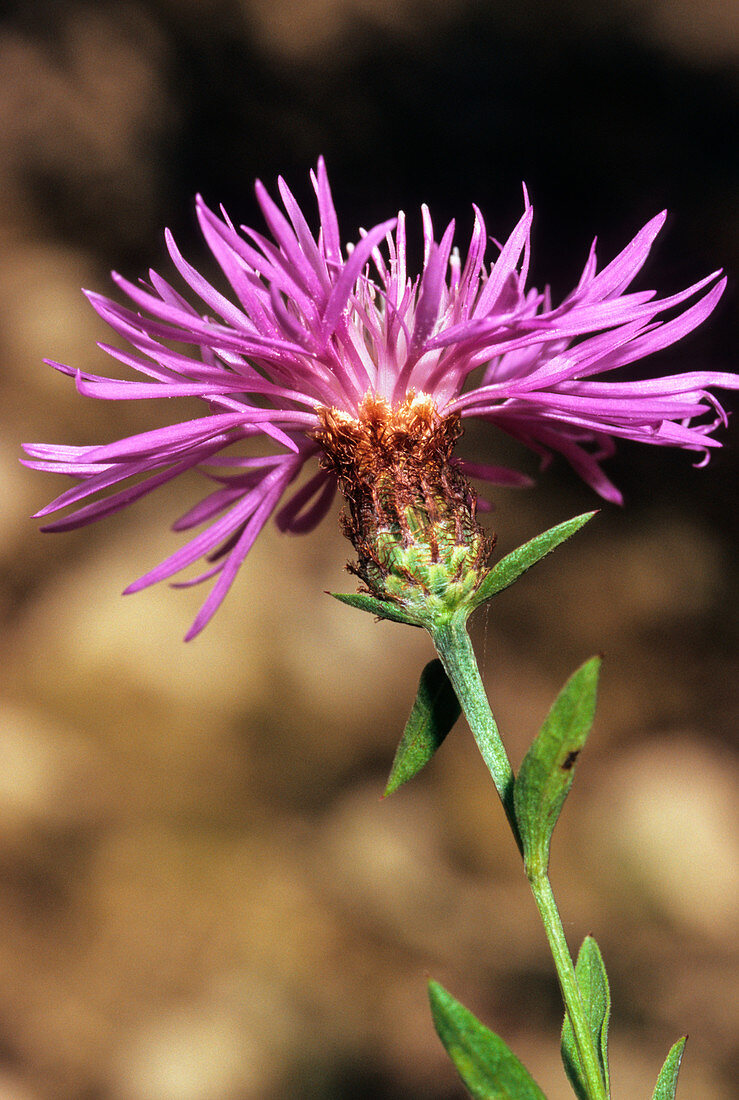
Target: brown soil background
(202,896)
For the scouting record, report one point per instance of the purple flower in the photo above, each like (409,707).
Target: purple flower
(311,326)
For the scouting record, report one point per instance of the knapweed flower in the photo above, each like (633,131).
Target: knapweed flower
(339,356)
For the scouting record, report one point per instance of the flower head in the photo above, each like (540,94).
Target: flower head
(318,345)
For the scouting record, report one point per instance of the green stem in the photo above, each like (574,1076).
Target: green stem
(457,656)
(541,888)
(455,650)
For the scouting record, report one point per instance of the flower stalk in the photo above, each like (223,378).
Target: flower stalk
(541,888)
(414,566)
(455,650)
(454,647)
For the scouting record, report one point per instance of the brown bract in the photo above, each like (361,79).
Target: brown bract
(381,437)
(394,467)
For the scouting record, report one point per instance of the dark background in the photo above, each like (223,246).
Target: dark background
(202,897)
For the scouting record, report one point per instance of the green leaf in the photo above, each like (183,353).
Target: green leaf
(383,609)
(548,768)
(488,1068)
(666,1086)
(434,712)
(510,568)
(596,998)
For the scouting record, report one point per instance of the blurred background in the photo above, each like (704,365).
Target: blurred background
(202,896)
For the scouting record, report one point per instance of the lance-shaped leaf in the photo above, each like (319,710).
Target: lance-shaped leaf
(383,609)
(434,712)
(548,768)
(666,1086)
(488,1068)
(518,561)
(596,998)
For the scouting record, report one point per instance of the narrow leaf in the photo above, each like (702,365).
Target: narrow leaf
(548,768)
(434,712)
(666,1086)
(383,609)
(596,997)
(488,1068)
(518,561)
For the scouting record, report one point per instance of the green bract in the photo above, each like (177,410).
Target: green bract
(429,578)
(424,575)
